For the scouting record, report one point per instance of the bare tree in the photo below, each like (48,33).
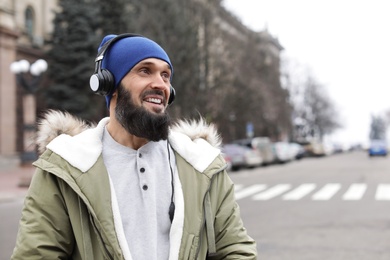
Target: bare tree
(378,127)
(321,113)
(315,114)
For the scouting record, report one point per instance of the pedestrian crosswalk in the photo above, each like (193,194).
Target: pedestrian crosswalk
(312,191)
(383,192)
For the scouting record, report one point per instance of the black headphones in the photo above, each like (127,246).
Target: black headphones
(102,82)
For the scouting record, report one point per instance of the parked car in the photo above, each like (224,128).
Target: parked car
(282,152)
(314,148)
(241,156)
(297,151)
(263,145)
(378,148)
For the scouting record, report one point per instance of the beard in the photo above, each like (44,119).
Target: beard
(138,121)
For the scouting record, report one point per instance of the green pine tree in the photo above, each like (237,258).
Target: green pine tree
(71,59)
(114,15)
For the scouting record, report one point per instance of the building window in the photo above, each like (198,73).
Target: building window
(29,21)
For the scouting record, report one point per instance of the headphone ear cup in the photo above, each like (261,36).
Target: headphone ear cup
(95,83)
(108,82)
(171,95)
(102,82)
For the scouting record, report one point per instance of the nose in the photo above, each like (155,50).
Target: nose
(160,83)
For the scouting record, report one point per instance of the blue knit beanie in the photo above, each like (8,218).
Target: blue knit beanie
(124,54)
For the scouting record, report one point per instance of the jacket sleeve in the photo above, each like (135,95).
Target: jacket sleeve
(44,230)
(232,240)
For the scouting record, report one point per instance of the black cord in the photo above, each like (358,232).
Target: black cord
(172,205)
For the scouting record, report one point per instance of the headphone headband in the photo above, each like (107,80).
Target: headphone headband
(106,45)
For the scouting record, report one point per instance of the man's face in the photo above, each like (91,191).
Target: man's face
(149,83)
(141,100)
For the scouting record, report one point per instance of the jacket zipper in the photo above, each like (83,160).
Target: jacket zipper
(204,216)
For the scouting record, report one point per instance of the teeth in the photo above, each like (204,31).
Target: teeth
(154,100)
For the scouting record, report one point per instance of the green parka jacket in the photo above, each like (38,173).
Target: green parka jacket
(71,212)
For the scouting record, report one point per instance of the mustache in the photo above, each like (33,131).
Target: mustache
(154,92)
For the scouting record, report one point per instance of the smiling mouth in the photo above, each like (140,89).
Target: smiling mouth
(154,100)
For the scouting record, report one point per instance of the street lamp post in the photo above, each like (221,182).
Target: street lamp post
(28,77)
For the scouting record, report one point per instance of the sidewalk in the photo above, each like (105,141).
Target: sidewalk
(14,179)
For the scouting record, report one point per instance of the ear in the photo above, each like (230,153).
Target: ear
(113,101)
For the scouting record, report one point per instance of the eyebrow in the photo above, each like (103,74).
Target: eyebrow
(149,63)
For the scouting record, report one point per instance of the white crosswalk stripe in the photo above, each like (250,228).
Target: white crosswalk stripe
(312,191)
(355,191)
(272,192)
(250,191)
(326,192)
(300,192)
(383,192)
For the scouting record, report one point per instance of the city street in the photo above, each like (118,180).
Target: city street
(335,207)
(9,214)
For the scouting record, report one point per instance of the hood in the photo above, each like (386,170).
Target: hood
(55,123)
(196,141)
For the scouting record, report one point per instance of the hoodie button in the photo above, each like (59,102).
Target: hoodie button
(145,187)
(142,169)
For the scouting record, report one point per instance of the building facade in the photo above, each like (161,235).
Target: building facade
(24,27)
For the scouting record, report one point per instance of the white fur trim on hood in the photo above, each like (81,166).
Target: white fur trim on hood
(198,143)
(81,145)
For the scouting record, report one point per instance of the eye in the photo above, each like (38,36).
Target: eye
(144,70)
(166,75)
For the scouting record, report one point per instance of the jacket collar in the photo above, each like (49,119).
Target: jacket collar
(81,150)
(199,153)
(197,142)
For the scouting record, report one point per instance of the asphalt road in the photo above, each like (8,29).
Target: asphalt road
(335,207)
(10,213)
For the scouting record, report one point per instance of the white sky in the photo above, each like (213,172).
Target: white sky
(345,43)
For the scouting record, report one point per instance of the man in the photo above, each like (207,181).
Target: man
(135,186)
